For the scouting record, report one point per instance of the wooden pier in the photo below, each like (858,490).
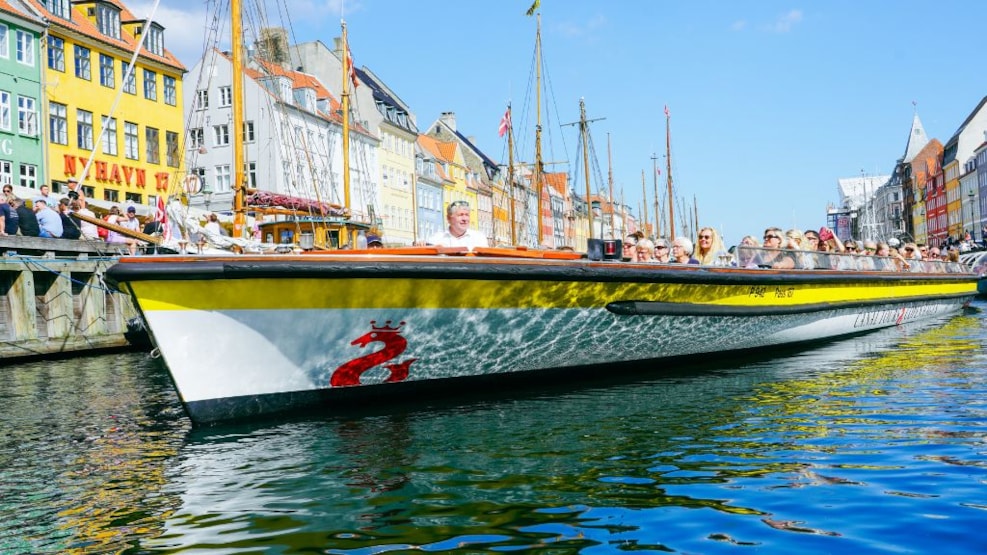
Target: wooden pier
(53,299)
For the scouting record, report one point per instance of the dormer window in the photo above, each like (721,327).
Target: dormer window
(155,40)
(60,8)
(108,20)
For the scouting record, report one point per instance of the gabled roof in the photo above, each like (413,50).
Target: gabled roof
(950,149)
(21,10)
(917,139)
(400,116)
(298,80)
(431,146)
(80,24)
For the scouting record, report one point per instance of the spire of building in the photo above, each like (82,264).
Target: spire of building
(917,139)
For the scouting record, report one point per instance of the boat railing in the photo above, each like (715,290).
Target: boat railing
(759,257)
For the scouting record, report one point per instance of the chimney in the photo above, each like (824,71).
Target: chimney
(449,118)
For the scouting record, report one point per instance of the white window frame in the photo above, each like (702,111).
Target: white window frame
(131,141)
(110,142)
(29,175)
(84,129)
(4,41)
(25,48)
(58,123)
(221,134)
(5,110)
(225,96)
(27,116)
(223,182)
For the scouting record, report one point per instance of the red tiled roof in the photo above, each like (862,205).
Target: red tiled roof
(80,24)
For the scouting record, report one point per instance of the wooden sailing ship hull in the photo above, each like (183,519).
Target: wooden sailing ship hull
(246,336)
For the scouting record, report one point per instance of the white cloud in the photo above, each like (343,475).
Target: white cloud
(739,25)
(786,22)
(572,29)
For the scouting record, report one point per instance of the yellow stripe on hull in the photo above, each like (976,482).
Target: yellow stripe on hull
(349,293)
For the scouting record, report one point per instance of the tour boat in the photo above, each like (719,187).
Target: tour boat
(246,336)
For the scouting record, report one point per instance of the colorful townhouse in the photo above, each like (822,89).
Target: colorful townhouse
(380,110)
(22,146)
(292,134)
(130,154)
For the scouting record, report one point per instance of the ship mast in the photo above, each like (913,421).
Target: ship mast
(668,169)
(644,202)
(654,169)
(584,128)
(613,228)
(345,106)
(539,164)
(510,173)
(239,182)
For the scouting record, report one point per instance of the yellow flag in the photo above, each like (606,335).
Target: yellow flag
(534,7)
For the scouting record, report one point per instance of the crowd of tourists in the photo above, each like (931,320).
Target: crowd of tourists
(779,249)
(48,216)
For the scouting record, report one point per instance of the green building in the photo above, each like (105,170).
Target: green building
(22,144)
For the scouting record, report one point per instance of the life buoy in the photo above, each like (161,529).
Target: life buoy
(192,184)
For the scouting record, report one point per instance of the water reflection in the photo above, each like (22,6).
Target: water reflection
(789,453)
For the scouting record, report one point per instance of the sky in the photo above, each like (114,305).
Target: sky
(771,102)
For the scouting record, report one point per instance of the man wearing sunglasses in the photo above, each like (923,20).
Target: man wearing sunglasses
(458,234)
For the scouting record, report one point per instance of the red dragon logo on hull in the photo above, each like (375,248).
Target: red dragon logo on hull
(394,345)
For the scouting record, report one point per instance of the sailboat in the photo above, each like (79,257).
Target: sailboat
(255,335)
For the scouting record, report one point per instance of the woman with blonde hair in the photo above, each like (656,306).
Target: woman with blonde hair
(709,248)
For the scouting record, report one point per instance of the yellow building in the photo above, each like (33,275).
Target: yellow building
(455,186)
(954,205)
(136,151)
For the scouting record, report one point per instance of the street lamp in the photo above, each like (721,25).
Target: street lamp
(207,195)
(973,224)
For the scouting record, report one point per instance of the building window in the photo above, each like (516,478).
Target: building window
(4,49)
(223,179)
(225,96)
(152,146)
(110,136)
(25,48)
(111,195)
(196,137)
(27,116)
(248,131)
(84,129)
(58,123)
(221,134)
(150,85)
(250,168)
(5,110)
(170,90)
(202,99)
(56,53)
(106,77)
(6,172)
(171,145)
(155,40)
(129,81)
(61,8)
(29,176)
(131,145)
(108,20)
(82,63)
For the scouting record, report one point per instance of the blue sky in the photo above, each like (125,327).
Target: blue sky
(771,101)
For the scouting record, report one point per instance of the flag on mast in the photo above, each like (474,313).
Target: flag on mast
(163,218)
(505,122)
(349,63)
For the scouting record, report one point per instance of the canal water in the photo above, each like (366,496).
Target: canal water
(872,444)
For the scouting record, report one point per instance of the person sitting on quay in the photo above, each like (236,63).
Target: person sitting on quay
(49,222)
(709,248)
(682,251)
(8,218)
(70,229)
(458,234)
(27,222)
(87,230)
(45,193)
(75,191)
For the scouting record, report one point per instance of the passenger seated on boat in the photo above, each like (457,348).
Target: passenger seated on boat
(662,252)
(745,257)
(709,248)
(458,234)
(775,258)
(629,248)
(682,251)
(644,251)
(811,240)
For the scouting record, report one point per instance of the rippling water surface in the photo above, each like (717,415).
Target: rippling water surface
(874,444)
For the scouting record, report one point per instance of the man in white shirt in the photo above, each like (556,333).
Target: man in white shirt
(458,234)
